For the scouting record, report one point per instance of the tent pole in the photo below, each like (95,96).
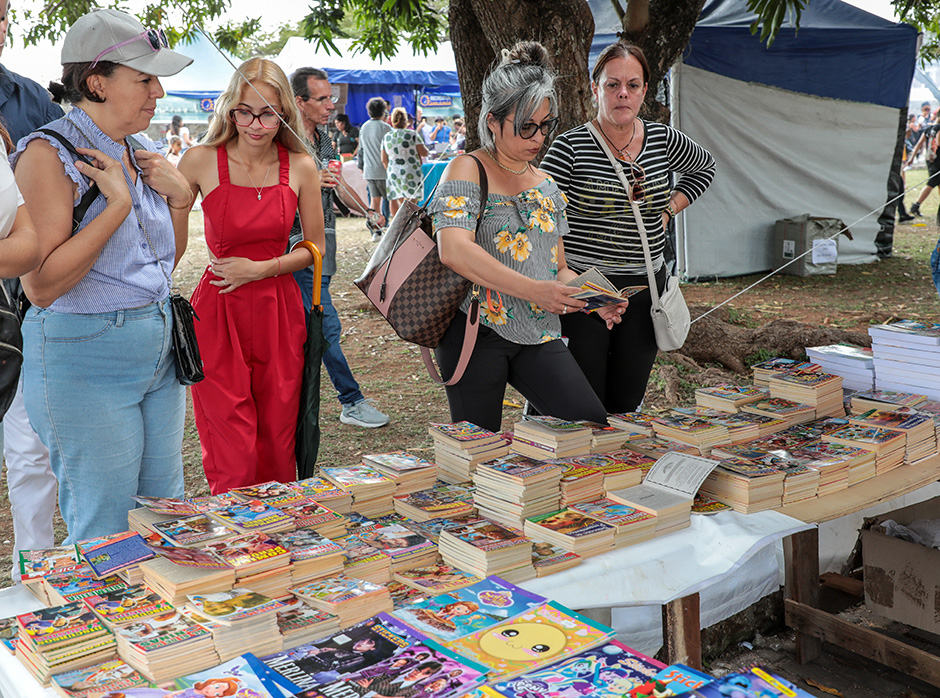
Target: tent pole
(682,253)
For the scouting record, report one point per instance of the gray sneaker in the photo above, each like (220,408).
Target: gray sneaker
(363,414)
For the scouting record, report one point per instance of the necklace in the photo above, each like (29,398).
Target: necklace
(247,172)
(508,169)
(622,150)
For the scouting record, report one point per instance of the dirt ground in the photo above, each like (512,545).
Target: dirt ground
(392,373)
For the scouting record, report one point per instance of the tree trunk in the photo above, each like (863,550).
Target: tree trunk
(480,29)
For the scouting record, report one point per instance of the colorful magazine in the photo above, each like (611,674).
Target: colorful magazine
(251,515)
(335,590)
(109,554)
(244,677)
(463,611)
(610,512)
(399,461)
(306,544)
(547,558)
(108,678)
(167,505)
(273,493)
(191,557)
(248,549)
(355,475)
(437,579)
(753,683)
(396,541)
(127,605)
(486,535)
(297,615)
(463,432)
(60,625)
(35,564)
(236,604)
(319,489)
(569,522)
(307,512)
(531,641)
(74,586)
(440,499)
(159,632)
(403,595)
(192,530)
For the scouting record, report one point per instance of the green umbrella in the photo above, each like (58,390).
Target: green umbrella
(308,418)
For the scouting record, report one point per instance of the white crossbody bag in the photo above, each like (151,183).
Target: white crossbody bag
(671,319)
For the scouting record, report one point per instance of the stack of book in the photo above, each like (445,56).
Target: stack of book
(887,445)
(822,391)
(839,466)
(692,431)
(176,572)
(312,555)
(130,605)
(855,364)
(572,531)
(192,531)
(326,493)
(632,422)
(885,400)
(907,357)
(460,446)
(39,563)
(440,501)
(275,493)
(727,397)
(309,513)
(404,547)
(260,563)
(485,547)
(76,585)
(741,426)
(403,595)
(620,469)
(299,623)
(240,621)
(801,481)
(549,437)
(436,579)
(578,483)
(548,559)
(61,638)
(371,490)
(745,486)
(108,678)
(253,517)
(630,525)
(166,646)
(351,600)
(788,411)
(511,489)
(772,367)
(656,447)
(410,473)
(115,553)
(605,438)
(918,428)
(362,561)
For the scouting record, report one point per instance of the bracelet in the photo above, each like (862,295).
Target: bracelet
(671,211)
(278,267)
(182,208)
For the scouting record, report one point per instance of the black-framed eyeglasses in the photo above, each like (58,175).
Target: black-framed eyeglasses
(637,176)
(528,130)
(245,118)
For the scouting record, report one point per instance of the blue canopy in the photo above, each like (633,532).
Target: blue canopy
(840,51)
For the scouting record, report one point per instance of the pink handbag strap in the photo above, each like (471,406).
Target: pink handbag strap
(466,351)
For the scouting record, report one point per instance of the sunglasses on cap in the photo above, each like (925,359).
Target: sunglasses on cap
(155,37)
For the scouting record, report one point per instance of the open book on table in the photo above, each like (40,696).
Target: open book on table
(598,291)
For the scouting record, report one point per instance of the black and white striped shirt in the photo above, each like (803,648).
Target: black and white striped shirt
(603,232)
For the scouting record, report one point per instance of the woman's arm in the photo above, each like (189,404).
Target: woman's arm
(19,251)
(65,259)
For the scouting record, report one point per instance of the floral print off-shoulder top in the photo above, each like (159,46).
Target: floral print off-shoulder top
(522,232)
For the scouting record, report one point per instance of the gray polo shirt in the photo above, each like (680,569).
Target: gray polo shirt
(371,135)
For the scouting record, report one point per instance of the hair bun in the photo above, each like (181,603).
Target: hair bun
(527,53)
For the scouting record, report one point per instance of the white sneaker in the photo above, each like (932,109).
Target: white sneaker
(363,414)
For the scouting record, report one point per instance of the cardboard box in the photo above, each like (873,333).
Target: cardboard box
(794,236)
(902,579)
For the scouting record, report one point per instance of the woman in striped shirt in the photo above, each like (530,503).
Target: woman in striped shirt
(617,359)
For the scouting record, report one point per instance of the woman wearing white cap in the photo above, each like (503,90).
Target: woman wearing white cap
(100,380)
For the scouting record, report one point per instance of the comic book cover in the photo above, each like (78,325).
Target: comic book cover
(867,435)
(395,540)
(707,506)
(209,502)
(486,535)
(357,552)
(99,680)
(531,641)
(273,493)
(306,544)
(548,559)
(167,505)
(74,586)
(40,563)
(569,522)
(431,529)
(747,468)
(191,557)
(423,670)
(127,605)
(507,467)
(250,515)
(753,683)
(403,595)
(318,488)
(398,461)
(610,512)
(192,530)
(463,611)
(244,677)
(335,589)
(159,632)
(461,432)
(250,548)
(59,625)
(352,649)
(440,499)
(680,679)
(607,671)
(235,604)
(353,475)
(307,512)
(437,579)
(113,553)
(886,419)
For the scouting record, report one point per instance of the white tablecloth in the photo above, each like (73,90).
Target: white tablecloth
(15,681)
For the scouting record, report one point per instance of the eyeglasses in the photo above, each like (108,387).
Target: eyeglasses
(156,37)
(245,118)
(321,100)
(528,130)
(638,176)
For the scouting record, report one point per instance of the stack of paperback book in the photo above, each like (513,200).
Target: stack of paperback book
(511,489)
(485,547)
(299,623)
(275,493)
(371,490)
(129,605)
(572,531)
(410,473)
(36,564)
(76,585)
(548,559)
(61,638)
(741,426)
(312,555)
(727,397)
(460,446)
(656,447)
(352,600)
(822,391)
(839,466)
(549,437)
(177,572)
(326,493)
(239,620)
(692,431)
(108,678)
(918,428)
(885,400)
(403,595)
(605,438)
(260,563)
(745,486)
(887,445)
(630,525)
(436,579)
(193,530)
(907,357)
(578,483)
(801,482)
(788,411)
(362,561)
(309,513)
(632,422)
(404,547)
(620,469)
(855,364)
(253,517)
(440,501)
(772,367)
(166,646)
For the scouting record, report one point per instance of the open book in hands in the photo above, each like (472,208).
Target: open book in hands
(598,292)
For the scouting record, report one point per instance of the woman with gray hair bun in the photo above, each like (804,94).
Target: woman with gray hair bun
(517,262)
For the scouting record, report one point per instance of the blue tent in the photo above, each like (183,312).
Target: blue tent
(808,125)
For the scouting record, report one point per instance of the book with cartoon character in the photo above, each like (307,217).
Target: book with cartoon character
(753,683)
(531,641)
(462,611)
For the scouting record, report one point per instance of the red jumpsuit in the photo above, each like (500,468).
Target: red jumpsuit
(251,339)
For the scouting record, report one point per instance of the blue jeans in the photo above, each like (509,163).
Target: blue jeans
(101,392)
(337,367)
(935,265)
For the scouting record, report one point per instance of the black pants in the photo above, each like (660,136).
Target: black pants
(546,374)
(617,362)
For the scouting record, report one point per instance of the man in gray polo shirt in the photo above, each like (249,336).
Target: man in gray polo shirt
(371,135)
